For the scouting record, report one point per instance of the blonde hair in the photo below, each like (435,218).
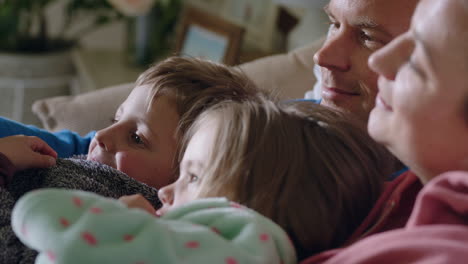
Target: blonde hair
(309,169)
(194,85)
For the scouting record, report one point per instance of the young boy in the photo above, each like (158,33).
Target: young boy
(143,140)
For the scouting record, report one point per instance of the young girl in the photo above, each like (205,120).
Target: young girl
(304,167)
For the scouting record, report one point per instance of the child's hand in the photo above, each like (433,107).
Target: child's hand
(138,201)
(27,152)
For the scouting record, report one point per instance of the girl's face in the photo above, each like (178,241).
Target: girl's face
(420,113)
(141,142)
(194,162)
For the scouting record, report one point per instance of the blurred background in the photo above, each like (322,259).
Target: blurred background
(64,47)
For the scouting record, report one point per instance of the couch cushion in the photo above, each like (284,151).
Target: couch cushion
(81,113)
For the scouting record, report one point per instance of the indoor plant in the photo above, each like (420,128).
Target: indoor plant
(35,61)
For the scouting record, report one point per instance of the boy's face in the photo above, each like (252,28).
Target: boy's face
(194,162)
(357,29)
(142,141)
(420,112)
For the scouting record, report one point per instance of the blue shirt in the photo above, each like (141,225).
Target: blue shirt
(65,142)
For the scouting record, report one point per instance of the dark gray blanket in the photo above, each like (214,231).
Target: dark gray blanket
(74,173)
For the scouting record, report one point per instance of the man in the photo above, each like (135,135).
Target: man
(357,29)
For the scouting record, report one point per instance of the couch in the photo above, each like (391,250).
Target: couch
(287,75)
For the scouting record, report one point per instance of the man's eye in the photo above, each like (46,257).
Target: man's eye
(137,139)
(369,41)
(365,37)
(333,24)
(193,177)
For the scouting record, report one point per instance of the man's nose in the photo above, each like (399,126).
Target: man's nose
(166,194)
(335,53)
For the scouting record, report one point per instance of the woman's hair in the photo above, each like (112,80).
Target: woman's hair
(311,170)
(194,85)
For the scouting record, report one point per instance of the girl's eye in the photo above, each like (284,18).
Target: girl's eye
(137,139)
(114,120)
(192,177)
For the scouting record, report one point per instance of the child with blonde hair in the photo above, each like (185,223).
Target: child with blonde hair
(142,141)
(304,169)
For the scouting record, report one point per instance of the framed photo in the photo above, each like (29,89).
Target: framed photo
(259,19)
(204,35)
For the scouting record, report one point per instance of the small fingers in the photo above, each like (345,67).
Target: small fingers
(40,146)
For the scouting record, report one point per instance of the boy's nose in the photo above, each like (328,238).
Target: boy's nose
(166,195)
(104,139)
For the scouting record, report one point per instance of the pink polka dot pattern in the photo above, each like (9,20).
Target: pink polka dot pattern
(51,255)
(24,230)
(192,244)
(128,237)
(64,222)
(216,230)
(231,260)
(264,237)
(77,201)
(89,238)
(96,210)
(235,205)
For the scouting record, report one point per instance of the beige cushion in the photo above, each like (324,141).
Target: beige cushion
(288,75)
(81,113)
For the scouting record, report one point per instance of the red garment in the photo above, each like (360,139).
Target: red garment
(437,231)
(6,170)
(391,211)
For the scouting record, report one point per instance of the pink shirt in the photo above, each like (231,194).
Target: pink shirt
(391,211)
(436,232)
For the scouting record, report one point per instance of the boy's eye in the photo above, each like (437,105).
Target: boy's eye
(137,139)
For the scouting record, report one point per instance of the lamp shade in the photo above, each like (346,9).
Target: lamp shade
(303,3)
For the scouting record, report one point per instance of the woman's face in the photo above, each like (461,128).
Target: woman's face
(421,108)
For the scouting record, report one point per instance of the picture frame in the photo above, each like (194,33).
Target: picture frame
(259,19)
(205,35)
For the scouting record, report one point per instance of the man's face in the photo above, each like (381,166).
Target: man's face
(357,29)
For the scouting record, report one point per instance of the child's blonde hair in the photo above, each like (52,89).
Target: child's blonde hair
(309,169)
(194,85)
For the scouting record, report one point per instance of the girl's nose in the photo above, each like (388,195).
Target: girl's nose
(166,195)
